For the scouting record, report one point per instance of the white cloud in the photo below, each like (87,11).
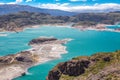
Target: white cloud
(15,2)
(54,6)
(1,3)
(78,0)
(18,1)
(82,8)
(28,0)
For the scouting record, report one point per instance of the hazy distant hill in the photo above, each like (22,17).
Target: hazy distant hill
(21,19)
(5,9)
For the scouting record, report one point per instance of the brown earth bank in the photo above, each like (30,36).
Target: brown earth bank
(100,66)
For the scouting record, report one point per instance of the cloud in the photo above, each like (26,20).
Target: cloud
(1,3)
(18,1)
(15,2)
(54,6)
(28,0)
(78,0)
(83,8)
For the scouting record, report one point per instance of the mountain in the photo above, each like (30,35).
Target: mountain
(14,21)
(12,8)
(95,18)
(21,19)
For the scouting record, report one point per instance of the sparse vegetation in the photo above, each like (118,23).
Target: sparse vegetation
(102,66)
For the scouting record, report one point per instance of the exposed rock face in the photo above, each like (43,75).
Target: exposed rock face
(54,75)
(101,66)
(71,68)
(74,67)
(41,40)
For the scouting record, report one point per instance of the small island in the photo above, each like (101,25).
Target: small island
(43,49)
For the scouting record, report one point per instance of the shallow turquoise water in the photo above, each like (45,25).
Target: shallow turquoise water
(83,43)
(114,27)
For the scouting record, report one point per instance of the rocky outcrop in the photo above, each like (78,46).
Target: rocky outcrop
(71,68)
(101,66)
(41,40)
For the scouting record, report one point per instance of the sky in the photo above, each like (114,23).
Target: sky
(70,5)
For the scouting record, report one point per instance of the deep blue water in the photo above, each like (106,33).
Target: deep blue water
(83,43)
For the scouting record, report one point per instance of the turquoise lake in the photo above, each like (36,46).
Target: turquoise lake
(83,43)
(114,27)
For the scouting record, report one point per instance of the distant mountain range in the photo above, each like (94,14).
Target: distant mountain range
(12,22)
(13,8)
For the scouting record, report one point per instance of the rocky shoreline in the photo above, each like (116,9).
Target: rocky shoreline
(35,26)
(98,27)
(43,49)
(100,66)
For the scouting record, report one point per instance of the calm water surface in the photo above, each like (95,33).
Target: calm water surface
(83,43)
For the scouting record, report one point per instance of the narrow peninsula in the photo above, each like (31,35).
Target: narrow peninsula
(43,49)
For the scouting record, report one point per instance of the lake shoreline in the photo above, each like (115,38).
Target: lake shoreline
(34,26)
(98,27)
(45,49)
(56,36)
